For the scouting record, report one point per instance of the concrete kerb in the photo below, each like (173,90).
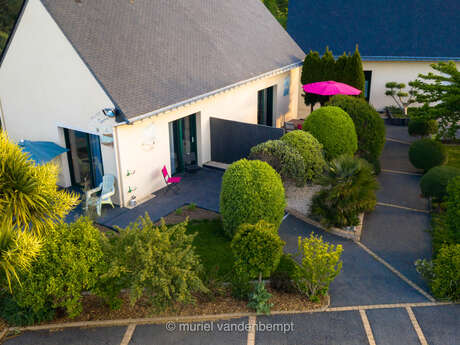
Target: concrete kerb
(351,235)
(156,320)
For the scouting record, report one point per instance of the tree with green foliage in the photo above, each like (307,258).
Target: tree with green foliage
(279,9)
(441,92)
(355,72)
(30,204)
(311,73)
(257,249)
(340,68)
(9,10)
(401,97)
(29,196)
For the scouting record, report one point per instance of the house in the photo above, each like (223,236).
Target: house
(129,86)
(397,39)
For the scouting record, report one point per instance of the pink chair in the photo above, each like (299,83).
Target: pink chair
(170,181)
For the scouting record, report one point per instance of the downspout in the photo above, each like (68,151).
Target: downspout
(118,163)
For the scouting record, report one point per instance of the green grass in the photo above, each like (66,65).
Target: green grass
(213,247)
(453,152)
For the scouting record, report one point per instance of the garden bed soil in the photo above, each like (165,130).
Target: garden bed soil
(192,214)
(94,309)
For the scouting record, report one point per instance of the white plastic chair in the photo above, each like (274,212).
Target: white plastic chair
(106,189)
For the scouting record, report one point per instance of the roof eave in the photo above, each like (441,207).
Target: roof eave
(212,93)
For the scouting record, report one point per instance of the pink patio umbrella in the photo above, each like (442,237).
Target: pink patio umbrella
(330,87)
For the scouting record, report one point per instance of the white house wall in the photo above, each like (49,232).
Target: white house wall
(45,85)
(382,73)
(238,104)
(398,71)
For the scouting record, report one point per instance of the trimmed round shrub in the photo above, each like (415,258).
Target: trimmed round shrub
(370,127)
(434,183)
(286,160)
(251,191)
(422,127)
(257,249)
(333,128)
(427,153)
(310,150)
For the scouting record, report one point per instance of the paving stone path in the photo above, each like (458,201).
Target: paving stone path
(378,298)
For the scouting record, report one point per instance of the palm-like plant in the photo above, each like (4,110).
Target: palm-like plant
(30,203)
(29,197)
(350,190)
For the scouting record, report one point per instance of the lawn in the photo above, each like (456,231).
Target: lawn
(453,155)
(213,247)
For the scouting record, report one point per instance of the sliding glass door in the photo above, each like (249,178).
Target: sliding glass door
(265,101)
(183,144)
(85,158)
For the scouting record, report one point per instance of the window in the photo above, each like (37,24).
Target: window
(265,106)
(367,84)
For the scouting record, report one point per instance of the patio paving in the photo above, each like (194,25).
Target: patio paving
(395,156)
(201,188)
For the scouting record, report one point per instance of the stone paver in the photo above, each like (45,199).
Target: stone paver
(401,190)
(440,325)
(399,133)
(390,326)
(344,328)
(71,336)
(363,280)
(192,333)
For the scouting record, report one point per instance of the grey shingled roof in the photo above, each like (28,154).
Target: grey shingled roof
(149,54)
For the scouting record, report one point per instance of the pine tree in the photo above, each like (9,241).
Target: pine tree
(340,66)
(311,72)
(327,66)
(357,78)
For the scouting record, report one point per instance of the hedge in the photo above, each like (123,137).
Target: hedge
(310,150)
(446,273)
(453,207)
(370,127)
(427,153)
(333,128)
(251,191)
(422,127)
(285,159)
(434,183)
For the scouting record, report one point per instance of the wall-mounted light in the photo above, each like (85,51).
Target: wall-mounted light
(109,112)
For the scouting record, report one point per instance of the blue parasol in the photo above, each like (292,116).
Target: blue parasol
(41,151)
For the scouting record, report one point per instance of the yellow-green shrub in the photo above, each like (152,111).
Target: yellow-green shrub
(320,264)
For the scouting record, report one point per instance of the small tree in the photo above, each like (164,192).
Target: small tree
(402,98)
(257,249)
(442,92)
(354,72)
(320,264)
(311,73)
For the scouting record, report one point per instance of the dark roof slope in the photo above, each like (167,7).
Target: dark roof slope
(384,29)
(149,54)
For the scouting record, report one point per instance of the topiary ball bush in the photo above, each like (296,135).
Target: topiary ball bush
(333,128)
(434,183)
(310,150)
(370,127)
(422,127)
(251,191)
(427,153)
(285,159)
(257,249)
